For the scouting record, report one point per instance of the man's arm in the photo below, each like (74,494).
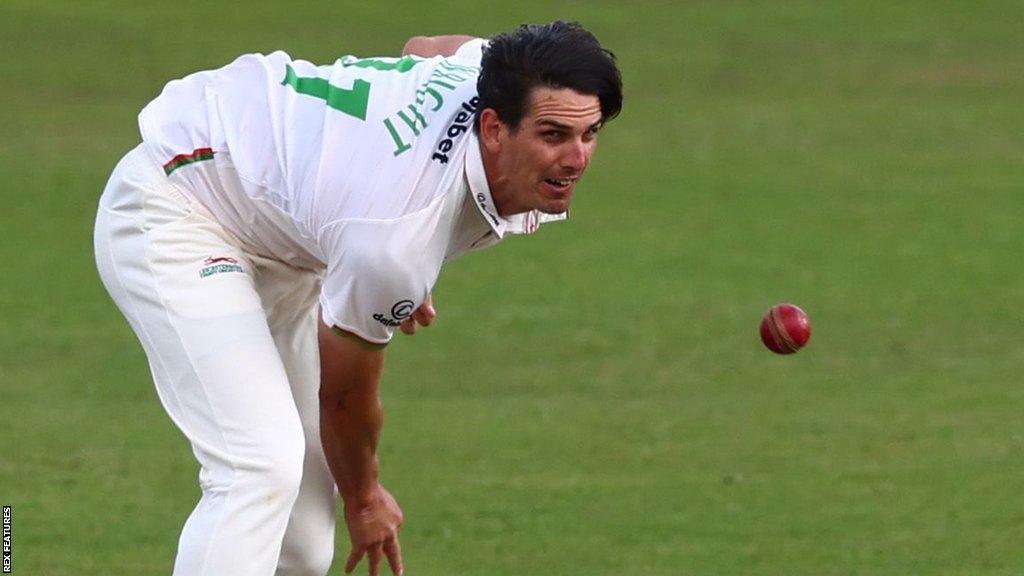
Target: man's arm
(430,46)
(350,421)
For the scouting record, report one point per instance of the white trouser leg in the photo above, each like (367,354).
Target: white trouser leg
(216,366)
(290,301)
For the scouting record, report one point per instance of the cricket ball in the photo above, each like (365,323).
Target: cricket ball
(785,329)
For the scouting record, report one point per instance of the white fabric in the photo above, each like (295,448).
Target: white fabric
(231,340)
(357,167)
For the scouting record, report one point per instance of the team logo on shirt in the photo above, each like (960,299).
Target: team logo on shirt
(219,264)
(400,311)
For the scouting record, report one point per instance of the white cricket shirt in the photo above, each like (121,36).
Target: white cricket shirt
(367,168)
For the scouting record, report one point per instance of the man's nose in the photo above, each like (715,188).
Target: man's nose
(576,156)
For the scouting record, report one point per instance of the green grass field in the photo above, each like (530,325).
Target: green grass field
(593,400)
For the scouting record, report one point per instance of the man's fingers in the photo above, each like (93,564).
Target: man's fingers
(394,553)
(374,554)
(353,559)
(408,326)
(424,315)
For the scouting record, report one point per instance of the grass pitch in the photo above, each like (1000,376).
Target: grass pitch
(592,400)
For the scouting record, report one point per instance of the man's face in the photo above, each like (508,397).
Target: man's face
(540,162)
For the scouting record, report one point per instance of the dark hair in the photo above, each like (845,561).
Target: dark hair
(556,55)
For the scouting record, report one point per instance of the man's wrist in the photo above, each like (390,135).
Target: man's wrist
(362,497)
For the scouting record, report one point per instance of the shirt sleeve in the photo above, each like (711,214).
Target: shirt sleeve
(373,281)
(470,52)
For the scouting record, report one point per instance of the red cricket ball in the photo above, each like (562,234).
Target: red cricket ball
(785,329)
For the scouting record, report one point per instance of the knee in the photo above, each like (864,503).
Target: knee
(320,560)
(277,473)
(308,547)
(313,561)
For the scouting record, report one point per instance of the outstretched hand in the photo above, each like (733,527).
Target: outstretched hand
(423,316)
(373,530)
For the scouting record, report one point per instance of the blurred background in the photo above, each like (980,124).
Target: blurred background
(594,399)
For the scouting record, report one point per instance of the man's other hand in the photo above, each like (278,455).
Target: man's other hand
(423,316)
(430,46)
(373,530)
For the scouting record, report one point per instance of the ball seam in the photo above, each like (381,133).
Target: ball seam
(780,328)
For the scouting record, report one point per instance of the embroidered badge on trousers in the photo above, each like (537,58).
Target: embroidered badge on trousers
(219,264)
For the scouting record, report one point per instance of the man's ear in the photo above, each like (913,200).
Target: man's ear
(492,130)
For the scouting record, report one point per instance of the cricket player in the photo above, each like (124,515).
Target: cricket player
(280,219)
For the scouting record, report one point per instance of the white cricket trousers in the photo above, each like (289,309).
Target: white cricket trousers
(232,346)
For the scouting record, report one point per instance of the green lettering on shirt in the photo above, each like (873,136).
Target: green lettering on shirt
(400,145)
(411,122)
(351,101)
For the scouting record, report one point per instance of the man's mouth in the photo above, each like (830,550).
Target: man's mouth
(561,184)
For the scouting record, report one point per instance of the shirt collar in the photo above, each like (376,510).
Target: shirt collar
(525,223)
(479,189)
